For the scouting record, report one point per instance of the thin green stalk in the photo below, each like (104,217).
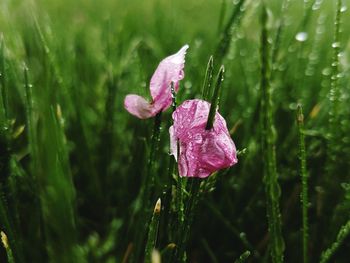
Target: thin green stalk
(342,235)
(7,247)
(242,258)
(226,36)
(210,252)
(3,86)
(215,98)
(195,183)
(50,56)
(191,205)
(147,187)
(281,25)
(32,138)
(304,181)
(334,93)
(239,235)
(35,168)
(272,187)
(223,8)
(152,232)
(208,79)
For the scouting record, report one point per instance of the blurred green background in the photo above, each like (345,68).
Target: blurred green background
(72,158)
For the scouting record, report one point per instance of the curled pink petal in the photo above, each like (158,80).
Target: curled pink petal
(138,106)
(202,151)
(169,70)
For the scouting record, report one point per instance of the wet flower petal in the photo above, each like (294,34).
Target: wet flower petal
(169,70)
(202,151)
(138,106)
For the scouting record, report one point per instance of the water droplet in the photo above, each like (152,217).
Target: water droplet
(301,36)
(343,8)
(317,5)
(309,72)
(335,44)
(320,30)
(198,138)
(334,64)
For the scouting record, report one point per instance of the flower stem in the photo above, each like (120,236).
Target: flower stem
(342,235)
(152,232)
(272,187)
(304,181)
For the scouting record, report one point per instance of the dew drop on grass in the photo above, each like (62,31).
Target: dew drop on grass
(343,8)
(326,71)
(309,72)
(335,44)
(301,36)
(317,5)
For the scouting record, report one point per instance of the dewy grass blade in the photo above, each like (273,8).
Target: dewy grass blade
(147,187)
(7,247)
(342,235)
(304,181)
(272,187)
(32,136)
(208,79)
(215,98)
(226,36)
(153,232)
(242,258)
(334,93)
(3,86)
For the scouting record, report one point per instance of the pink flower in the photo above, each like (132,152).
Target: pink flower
(169,70)
(202,151)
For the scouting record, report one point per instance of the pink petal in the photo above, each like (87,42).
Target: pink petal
(138,106)
(173,142)
(202,152)
(169,70)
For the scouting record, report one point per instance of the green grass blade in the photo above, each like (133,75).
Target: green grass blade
(152,232)
(304,182)
(334,93)
(7,247)
(272,187)
(208,79)
(243,258)
(226,36)
(342,235)
(3,86)
(215,99)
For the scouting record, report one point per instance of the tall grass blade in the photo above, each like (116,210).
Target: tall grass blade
(226,36)
(215,99)
(153,232)
(342,235)
(208,79)
(243,258)
(304,182)
(272,187)
(3,86)
(7,247)
(334,94)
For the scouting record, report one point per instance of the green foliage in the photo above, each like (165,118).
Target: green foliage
(79,175)
(268,138)
(304,181)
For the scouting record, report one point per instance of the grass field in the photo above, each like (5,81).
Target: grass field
(80,177)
